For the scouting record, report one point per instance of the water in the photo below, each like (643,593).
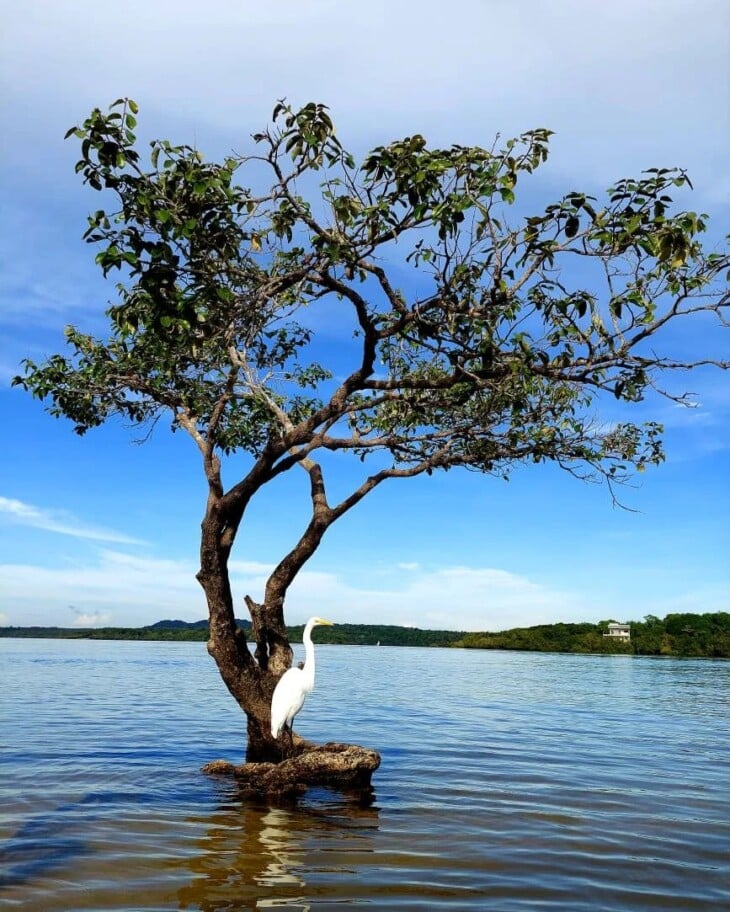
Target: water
(510,781)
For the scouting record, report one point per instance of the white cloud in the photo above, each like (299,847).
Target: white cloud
(62,522)
(134,590)
(621,82)
(89,619)
(140,590)
(474,598)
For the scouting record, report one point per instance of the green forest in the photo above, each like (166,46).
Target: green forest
(676,635)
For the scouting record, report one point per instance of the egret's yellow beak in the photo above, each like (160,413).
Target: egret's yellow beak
(323,622)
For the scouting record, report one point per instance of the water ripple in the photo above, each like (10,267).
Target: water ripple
(509,781)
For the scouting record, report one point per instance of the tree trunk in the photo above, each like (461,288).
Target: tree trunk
(251,680)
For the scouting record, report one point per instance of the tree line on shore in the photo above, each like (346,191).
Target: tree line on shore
(197,631)
(675,635)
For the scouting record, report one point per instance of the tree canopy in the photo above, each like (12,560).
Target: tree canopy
(481,338)
(496,361)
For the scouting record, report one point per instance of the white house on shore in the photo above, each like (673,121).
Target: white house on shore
(619,631)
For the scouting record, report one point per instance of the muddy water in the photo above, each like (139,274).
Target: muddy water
(510,781)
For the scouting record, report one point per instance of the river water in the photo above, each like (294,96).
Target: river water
(509,781)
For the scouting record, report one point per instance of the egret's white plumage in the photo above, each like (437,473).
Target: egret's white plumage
(294,685)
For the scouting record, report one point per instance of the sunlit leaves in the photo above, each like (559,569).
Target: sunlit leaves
(498,359)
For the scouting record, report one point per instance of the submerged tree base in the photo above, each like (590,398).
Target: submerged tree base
(341,766)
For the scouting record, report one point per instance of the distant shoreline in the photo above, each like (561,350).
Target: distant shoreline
(681,635)
(184,631)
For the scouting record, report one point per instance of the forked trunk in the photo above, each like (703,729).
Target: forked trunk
(251,679)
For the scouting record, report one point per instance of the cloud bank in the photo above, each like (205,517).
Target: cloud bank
(621,83)
(124,589)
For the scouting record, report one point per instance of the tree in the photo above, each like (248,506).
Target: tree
(492,356)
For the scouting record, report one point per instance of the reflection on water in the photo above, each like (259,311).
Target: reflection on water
(282,851)
(509,782)
(244,849)
(257,857)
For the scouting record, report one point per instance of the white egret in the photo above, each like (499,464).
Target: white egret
(294,685)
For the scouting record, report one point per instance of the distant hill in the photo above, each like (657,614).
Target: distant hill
(189,625)
(178,625)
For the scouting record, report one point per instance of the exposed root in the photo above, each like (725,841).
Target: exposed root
(344,766)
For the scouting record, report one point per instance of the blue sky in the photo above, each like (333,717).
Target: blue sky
(103,530)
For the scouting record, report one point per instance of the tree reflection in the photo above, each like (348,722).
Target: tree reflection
(262,857)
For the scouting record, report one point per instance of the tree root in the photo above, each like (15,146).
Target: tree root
(341,766)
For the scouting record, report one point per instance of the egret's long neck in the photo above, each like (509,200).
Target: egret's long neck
(308,656)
